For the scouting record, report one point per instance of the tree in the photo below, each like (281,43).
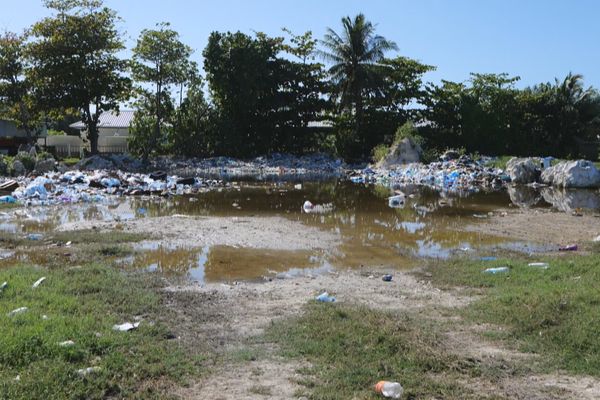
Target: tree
(192,133)
(17,102)
(356,54)
(161,60)
(263,98)
(74,61)
(243,84)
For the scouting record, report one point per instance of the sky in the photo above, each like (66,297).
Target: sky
(537,40)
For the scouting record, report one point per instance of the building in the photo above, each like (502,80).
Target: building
(113,131)
(110,124)
(11,137)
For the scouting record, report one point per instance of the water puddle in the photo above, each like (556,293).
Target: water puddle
(373,234)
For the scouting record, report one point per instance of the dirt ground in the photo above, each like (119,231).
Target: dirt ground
(273,233)
(229,316)
(539,225)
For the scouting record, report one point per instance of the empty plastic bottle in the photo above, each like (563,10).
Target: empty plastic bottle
(325,298)
(392,390)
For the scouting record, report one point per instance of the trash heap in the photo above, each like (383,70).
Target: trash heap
(455,176)
(96,186)
(276,167)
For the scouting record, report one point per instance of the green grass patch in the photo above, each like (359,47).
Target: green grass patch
(69,162)
(88,236)
(350,348)
(551,312)
(499,162)
(82,305)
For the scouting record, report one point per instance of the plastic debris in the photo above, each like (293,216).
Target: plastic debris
(67,343)
(391,390)
(125,327)
(38,282)
(325,298)
(88,371)
(541,265)
(16,311)
(597,239)
(460,175)
(397,201)
(387,278)
(570,247)
(45,317)
(311,208)
(497,270)
(7,199)
(35,236)
(489,258)
(3,286)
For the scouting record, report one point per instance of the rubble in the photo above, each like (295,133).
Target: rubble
(523,170)
(276,167)
(405,151)
(96,186)
(572,174)
(454,176)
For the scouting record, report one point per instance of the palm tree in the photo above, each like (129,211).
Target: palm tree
(355,55)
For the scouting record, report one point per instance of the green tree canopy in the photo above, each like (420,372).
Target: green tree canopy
(356,54)
(74,62)
(17,102)
(160,61)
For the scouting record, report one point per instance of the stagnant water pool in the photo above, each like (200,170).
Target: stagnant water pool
(373,234)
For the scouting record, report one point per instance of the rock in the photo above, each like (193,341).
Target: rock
(568,200)
(523,170)
(572,174)
(44,166)
(450,155)
(19,168)
(95,162)
(403,152)
(62,168)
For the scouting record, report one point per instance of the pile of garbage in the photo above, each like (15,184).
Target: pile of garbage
(459,175)
(95,186)
(276,167)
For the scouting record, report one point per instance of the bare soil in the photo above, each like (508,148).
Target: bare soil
(539,225)
(274,233)
(231,314)
(228,317)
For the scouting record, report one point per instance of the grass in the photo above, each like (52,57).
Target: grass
(82,304)
(551,312)
(350,348)
(71,161)
(499,162)
(88,236)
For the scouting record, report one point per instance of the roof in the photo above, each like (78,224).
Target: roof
(110,119)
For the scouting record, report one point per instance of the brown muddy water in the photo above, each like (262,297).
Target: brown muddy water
(372,233)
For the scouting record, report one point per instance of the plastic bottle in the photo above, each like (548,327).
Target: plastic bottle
(392,390)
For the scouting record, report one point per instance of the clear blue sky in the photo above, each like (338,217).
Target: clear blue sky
(535,39)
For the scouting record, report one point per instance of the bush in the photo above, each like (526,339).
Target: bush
(27,160)
(379,152)
(408,130)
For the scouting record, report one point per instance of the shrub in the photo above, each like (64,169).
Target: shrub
(27,160)
(408,130)
(379,152)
